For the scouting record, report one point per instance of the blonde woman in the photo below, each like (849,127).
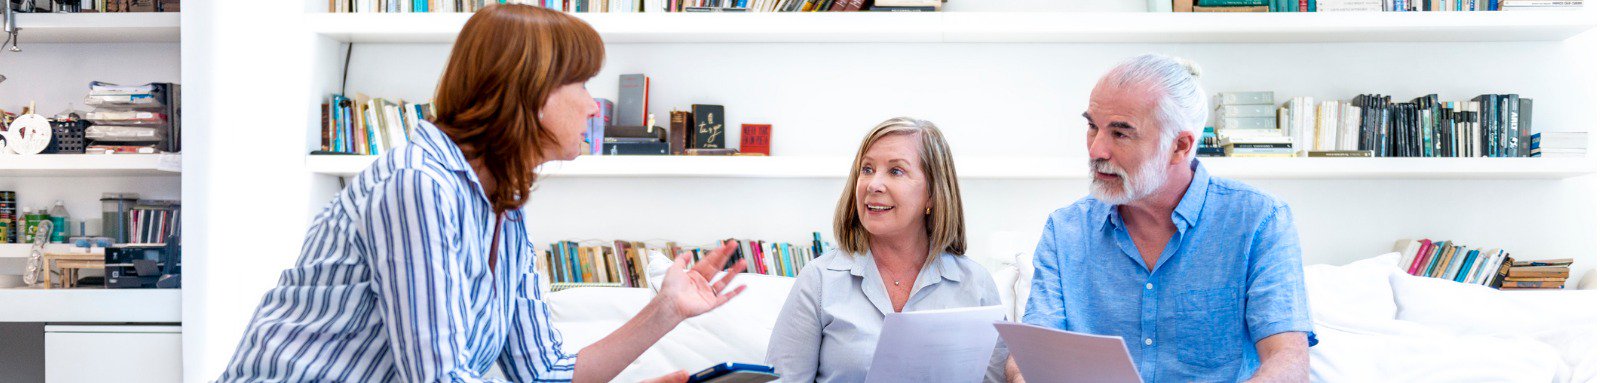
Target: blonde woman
(901,238)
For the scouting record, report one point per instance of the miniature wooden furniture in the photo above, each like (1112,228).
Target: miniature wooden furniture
(69,264)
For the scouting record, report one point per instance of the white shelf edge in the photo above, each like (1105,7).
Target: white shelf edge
(79,165)
(97,27)
(91,305)
(1110,27)
(993,167)
(20,250)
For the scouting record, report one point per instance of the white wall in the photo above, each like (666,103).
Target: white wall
(57,76)
(249,196)
(246,72)
(1023,99)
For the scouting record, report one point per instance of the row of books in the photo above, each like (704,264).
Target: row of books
(621,262)
(1364,5)
(1369,125)
(626,263)
(1493,268)
(1445,260)
(636,6)
(1490,125)
(1540,275)
(366,125)
(95,6)
(150,222)
(626,128)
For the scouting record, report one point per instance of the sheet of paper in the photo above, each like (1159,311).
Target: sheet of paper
(1050,355)
(950,345)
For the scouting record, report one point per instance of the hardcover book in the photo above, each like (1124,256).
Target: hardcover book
(709,132)
(633,100)
(755,138)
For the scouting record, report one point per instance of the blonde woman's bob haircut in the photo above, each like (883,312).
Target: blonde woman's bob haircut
(946,225)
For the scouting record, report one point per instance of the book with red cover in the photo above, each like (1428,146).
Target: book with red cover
(1421,256)
(755,138)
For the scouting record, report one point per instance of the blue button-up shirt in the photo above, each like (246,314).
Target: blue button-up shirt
(394,285)
(1228,278)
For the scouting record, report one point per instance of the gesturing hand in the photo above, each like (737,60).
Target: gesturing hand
(688,292)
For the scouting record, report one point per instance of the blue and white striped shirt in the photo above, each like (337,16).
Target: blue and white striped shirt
(393,284)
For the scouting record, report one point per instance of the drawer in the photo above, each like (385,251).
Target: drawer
(122,353)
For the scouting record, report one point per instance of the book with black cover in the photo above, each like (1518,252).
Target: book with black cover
(709,130)
(1524,125)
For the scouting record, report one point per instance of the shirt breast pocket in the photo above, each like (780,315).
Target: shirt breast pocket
(1209,327)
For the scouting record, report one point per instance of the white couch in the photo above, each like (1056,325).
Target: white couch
(1374,323)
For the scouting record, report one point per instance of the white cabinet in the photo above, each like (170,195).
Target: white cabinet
(126,353)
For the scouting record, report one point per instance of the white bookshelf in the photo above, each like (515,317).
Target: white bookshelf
(97,27)
(90,165)
(1031,167)
(93,304)
(1000,27)
(60,54)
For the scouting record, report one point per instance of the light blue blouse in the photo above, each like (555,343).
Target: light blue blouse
(828,329)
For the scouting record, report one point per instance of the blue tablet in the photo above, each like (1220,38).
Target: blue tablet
(735,373)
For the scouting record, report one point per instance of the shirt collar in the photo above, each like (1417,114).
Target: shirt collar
(439,145)
(1188,209)
(945,266)
(1193,199)
(441,148)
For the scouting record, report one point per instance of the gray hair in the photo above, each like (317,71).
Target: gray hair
(1182,106)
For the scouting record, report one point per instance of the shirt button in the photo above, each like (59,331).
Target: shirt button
(1149,286)
(1148,342)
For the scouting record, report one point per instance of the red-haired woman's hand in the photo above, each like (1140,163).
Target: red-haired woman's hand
(688,291)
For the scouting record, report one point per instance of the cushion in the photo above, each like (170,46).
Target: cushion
(1355,293)
(1401,352)
(735,332)
(1458,307)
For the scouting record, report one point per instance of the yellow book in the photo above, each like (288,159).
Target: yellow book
(586,264)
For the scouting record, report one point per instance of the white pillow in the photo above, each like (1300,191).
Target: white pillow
(735,332)
(1409,353)
(1352,294)
(1458,307)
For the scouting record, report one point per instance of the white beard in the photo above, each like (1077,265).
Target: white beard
(1152,172)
